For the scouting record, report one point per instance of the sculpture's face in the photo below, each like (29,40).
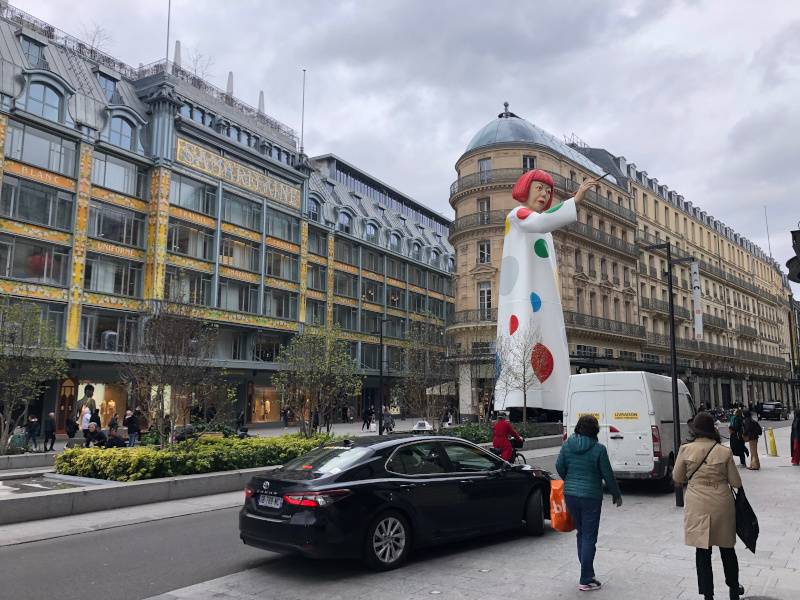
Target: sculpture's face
(538,196)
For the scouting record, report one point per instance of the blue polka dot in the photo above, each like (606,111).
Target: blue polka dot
(536,302)
(497,366)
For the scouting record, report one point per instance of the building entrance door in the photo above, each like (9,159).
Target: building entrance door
(66,402)
(726,395)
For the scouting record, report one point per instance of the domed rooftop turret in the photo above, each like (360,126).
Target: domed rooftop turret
(508,128)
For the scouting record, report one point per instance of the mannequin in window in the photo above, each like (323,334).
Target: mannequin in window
(529,293)
(87,401)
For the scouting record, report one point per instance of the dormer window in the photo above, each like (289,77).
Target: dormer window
(344,223)
(394,243)
(109,87)
(313,210)
(415,252)
(34,52)
(121,133)
(44,101)
(372,234)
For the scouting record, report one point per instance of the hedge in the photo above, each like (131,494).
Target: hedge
(481,434)
(207,455)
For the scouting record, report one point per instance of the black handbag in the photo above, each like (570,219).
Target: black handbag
(746,520)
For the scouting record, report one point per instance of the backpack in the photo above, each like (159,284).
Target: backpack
(755,429)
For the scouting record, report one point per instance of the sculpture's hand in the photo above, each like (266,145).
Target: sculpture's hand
(580,195)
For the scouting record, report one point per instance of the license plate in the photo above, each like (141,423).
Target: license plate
(270,501)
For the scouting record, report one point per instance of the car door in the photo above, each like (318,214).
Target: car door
(492,497)
(421,481)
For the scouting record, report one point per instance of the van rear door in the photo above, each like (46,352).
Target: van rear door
(630,443)
(588,402)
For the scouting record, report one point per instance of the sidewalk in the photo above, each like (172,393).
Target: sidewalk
(641,556)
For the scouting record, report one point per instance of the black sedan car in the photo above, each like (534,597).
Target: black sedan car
(376,498)
(774,410)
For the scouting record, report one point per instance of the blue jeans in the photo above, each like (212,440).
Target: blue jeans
(585,513)
(132,439)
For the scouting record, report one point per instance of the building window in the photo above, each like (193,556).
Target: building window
(416,251)
(313,211)
(346,317)
(316,277)
(40,149)
(592,298)
(372,233)
(190,240)
(34,52)
(241,211)
(484,253)
(417,277)
(28,201)
(186,111)
(192,195)
(280,304)
(119,175)
(108,331)
(317,242)
(281,265)
(44,101)
(372,261)
(237,296)
(396,298)
(188,286)
(435,282)
(370,321)
(239,254)
(371,291)
(528,163)
(266,347)
(396,269)
(344,223)
(579,300)
(109,87)
(578,261)
(29,260)
(484,205)
(113,276)
(394,243)
(121,133)
(485,170)
(283,226)
(345,252)
(316,312)
(233,132)
(435,259)
(113,224)
(416,303)
(485,300)
(345,284)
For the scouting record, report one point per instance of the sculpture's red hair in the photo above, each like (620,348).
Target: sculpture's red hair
(523,185)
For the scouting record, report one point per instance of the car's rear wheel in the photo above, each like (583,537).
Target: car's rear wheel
(534,513)
(388,541)
(666,484)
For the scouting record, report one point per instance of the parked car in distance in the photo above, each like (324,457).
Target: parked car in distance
(377,498)
(774,410)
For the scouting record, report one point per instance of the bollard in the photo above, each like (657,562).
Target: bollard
(773,450)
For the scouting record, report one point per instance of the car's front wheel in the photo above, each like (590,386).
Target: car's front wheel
(388,541)
(534,513)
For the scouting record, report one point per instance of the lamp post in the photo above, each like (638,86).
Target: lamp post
(676,419)
(380,333)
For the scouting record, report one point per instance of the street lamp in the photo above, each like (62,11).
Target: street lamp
(380,333)
(676,419)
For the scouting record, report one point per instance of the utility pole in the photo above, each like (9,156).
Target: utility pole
(676,418)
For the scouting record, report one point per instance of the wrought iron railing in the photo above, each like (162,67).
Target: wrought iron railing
(713,321)
(600,324)
(488,217)
(602,237)
(747,330)
(466,317)
(663,306)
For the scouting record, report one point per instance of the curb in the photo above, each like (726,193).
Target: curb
(61,503)
(27,461)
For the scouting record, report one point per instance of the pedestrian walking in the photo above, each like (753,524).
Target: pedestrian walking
(285,413)
(95,418)
(70,426)
(351,413)
(113,424)
(794,438)
(387,419)
(50,431)
(240,420)
(31,431)
(131,421)
(751,430)
(366,419)
(86,418)
(583,465)
(708,470)
(736,429)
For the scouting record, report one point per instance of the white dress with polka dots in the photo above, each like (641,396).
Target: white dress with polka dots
(529,297)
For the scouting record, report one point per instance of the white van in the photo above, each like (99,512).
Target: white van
(634,409)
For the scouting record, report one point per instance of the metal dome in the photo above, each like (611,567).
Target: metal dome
(508,128)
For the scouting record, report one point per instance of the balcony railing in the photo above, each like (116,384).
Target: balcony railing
(649,238)
(713,321)
(467,317)
(489,217)
(663,306)
(511,175)
(748,331)
(658,339)
(653,272)
(599,324)
(38,62)
(643,269)
(602,237)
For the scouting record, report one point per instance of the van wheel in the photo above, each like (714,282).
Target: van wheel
(666,484)
(534,513)
(388,541)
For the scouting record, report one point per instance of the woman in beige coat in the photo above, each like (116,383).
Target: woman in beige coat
(710,515)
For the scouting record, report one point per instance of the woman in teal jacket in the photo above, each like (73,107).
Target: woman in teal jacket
(583,465)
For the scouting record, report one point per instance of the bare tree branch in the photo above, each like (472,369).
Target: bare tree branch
(96,35)
(516,373)
(199,63)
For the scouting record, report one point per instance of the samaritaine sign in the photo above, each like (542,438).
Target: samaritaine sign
(237,174)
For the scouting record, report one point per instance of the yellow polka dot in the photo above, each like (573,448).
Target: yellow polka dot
(508,226)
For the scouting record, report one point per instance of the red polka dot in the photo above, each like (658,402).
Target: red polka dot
(513,324)
(523,213)
(542,362)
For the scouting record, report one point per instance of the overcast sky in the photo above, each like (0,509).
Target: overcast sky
(700,94)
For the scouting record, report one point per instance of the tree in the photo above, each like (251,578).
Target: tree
(97,36)
(199,63)
(318,373)
(30,355)
(172,365)
(472,354)
(425,371)
(516,364)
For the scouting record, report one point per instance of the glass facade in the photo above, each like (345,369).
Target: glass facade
(118,175)
(115,224)
(35,203)
(40,149)
(37,262)
(113,276)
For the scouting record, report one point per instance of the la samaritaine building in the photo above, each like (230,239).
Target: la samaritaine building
(614,291)
(120,182)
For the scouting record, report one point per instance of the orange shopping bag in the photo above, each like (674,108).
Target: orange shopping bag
(559,517)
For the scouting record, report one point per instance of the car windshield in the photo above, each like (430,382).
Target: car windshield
(328,459)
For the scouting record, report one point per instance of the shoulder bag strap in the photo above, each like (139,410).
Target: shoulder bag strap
(702,462)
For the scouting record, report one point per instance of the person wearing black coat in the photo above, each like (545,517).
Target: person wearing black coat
(95,436)
(50,431)
(736,429)
(794,438)
(32,430)
(95,418)
(71,427)
(114,440)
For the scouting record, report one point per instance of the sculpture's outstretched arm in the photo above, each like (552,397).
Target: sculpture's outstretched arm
(546,222)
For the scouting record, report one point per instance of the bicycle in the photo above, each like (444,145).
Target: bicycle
(516,457)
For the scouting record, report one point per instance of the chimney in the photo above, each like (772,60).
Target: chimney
(177,58)
(229,90)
